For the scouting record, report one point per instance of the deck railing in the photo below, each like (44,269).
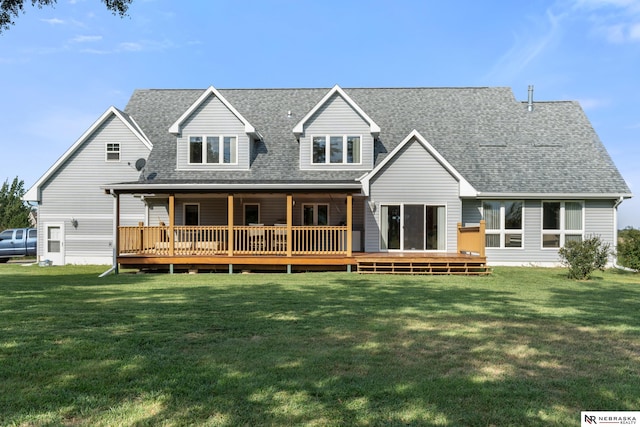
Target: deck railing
(247,240)
(471,239)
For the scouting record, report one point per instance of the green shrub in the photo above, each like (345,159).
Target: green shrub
(629,248)
(584,257)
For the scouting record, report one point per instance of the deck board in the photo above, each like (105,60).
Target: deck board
(381,263)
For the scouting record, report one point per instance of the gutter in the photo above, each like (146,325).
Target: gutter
(317,186)
(555,196)
(615,234)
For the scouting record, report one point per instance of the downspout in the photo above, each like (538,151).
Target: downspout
(114,267)
(615,237)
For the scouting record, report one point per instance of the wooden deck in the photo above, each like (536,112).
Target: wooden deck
(381,263)
(422,263)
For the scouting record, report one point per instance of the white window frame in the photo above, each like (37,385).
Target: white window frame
(327,153)
(184,212)
(244,212)
(563,231)
(204,149)
(425,206)
(315,213)
(116,148)
(502,231)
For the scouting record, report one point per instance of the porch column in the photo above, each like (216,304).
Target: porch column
(349,224)
(289,224)
(172,220)
(230,224)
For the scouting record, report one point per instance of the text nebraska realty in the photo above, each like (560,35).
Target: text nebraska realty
(611,419)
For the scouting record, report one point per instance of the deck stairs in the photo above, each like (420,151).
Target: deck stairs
(419,264)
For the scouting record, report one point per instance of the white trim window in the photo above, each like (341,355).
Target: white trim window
(219,149)
(341,149)
(315,214)
(251,213)
(504,223)
(562,222)
(191,213)
(112,152)
(413,227)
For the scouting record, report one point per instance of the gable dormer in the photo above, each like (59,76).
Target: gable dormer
(336,134)
(213,135)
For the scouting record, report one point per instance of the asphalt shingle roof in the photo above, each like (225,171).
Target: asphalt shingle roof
(489,137)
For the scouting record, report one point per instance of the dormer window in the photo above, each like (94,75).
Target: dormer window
(218,149)
(339,149)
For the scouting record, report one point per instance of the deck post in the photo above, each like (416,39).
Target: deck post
(230,230)
(172,219)
(116,238)
(349,224)
(289,224)
(483,227)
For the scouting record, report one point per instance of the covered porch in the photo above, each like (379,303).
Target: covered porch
(261,232)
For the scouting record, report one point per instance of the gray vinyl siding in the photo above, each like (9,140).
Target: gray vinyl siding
(157,211)
(213,118)
(73,192)
(598,220)
(336,117)
(273,209)
(414,176)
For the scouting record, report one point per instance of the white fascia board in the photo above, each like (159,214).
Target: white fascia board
(176,128)
(33,194)
(299,127)
(465,188)
(146,187)
(551,196)
(140,133)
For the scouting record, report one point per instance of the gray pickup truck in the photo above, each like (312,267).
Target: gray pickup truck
(18,242)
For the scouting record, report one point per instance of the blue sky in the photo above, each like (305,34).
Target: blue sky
(63,67)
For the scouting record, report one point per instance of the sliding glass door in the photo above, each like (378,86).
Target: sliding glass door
(409,227)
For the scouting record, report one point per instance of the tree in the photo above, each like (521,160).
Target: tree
(14,213)
(10,9)
(629,248)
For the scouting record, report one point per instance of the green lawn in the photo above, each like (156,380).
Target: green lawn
(520,347)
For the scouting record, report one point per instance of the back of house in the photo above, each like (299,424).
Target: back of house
(215,176)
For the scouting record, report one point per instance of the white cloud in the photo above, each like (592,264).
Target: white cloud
(130,47)
(541,34)
(634,32)
(53,21)
(594,103)
(618,21)
(86,39)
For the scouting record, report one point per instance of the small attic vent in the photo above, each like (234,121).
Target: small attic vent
(547,144)
(493,144)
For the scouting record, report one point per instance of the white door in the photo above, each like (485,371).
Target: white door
(54,243)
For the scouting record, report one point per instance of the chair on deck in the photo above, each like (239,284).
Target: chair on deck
(256,236)
(279,240)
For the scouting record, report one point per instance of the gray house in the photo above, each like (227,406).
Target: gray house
(320,177)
